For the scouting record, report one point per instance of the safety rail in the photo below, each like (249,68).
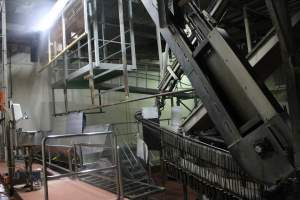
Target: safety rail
(75,139)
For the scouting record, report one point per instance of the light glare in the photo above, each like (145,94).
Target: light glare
(52,16)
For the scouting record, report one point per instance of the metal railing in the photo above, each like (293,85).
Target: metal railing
(115,164)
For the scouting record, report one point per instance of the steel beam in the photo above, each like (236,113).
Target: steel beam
(282,21)
(239,87)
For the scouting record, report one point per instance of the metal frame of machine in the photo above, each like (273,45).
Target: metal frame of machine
(266,139)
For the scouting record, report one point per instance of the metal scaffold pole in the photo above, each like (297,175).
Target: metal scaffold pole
(123,47)
(90,53)
(4,71)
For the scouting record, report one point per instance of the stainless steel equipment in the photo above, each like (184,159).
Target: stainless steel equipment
(254,127)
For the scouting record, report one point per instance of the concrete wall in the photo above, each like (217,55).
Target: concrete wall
(31,90)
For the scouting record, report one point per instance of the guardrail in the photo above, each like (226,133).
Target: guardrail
(116,160)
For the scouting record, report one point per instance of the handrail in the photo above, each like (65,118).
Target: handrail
(116,166)
(62,52)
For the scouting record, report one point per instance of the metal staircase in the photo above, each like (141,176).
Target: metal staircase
(136,182)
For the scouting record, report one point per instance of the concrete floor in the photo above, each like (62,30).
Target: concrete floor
(67,189)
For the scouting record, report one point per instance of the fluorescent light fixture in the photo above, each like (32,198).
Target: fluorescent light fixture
(52,16)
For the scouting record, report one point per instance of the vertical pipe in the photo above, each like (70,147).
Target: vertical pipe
(123,47)
(90,53)
(247,29)
(96,34)
(132,38)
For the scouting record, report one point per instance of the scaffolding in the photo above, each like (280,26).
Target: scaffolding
(86,48)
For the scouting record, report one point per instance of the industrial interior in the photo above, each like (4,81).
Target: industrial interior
(150,100)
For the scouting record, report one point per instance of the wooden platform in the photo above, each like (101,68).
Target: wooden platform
(68,189)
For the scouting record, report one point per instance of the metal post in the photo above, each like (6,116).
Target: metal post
(132,38)
(103,27)
(96,34)
(158,38)
(49,47)
(79,54)
(53,102)
(49,156)
(100,100)
(65,62)
(165,60)
(90,53)
(45,169)
(119,175)
(4,69)
(75,159)
(185,192)
(247,29)
(123,47)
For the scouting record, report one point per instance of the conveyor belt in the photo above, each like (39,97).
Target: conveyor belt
(205,168)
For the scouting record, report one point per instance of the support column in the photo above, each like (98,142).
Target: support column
(65,63)
(103,27)
(132,38)
(4,73)
(53,102)
(49,47)
(96,34)
(90,53)
(279,13)
(100,101)
(160,56)
(123,47)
